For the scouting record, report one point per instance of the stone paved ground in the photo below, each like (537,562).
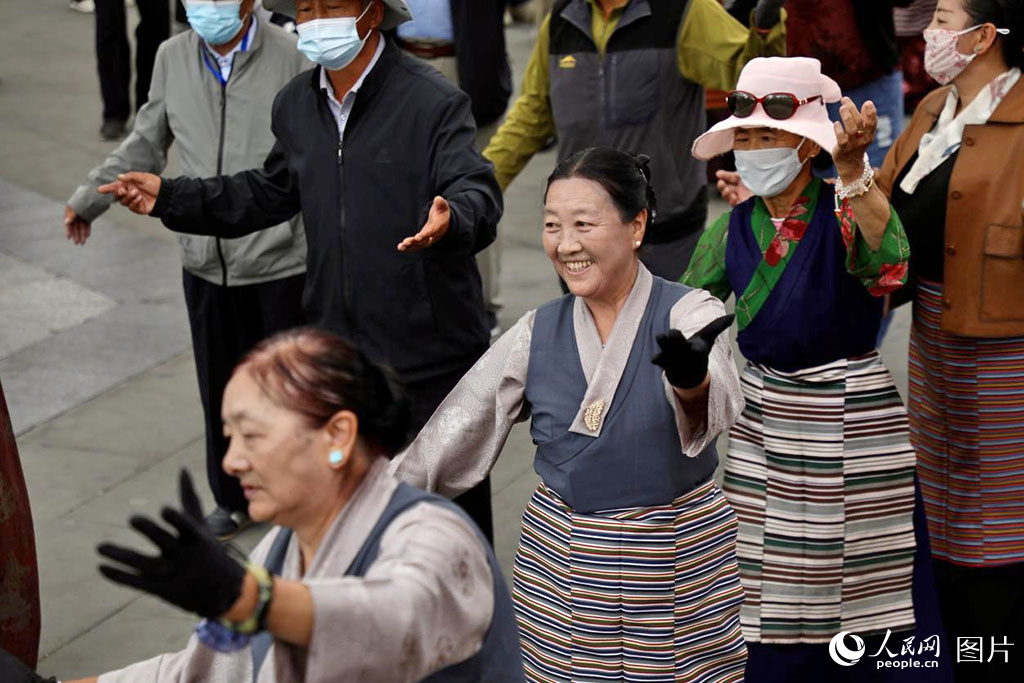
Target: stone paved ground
(94,346)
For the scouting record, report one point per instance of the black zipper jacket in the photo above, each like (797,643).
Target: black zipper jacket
(409,137)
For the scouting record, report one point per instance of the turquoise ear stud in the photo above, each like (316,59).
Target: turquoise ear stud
(336,456)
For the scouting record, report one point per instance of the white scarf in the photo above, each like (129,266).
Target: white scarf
(944,139)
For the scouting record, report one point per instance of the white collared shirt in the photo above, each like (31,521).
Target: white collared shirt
(431,21)
(225,62)
(343,109)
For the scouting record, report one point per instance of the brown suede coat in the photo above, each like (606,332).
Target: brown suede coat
(983,292)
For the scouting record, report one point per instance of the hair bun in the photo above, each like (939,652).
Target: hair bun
(643,163)
(625,176)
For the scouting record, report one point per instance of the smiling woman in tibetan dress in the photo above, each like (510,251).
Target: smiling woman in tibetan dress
(626,567)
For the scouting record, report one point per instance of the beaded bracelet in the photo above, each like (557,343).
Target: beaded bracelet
(859,187)
(254,623)
(216,636)
(224,635)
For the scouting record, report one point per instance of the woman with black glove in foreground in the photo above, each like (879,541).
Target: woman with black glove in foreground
(363,578)
(626,565)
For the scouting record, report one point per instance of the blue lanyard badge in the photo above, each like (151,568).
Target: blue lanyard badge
(212,64)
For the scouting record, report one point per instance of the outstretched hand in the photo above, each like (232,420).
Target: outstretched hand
(76,228)
(855,131)
(192,570)
(135,190)
(438,221)
(685,360)
(732,188)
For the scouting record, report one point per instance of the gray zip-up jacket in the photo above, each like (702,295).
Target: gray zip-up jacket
(218,130)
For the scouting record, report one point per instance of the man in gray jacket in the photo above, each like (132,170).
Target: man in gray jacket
(212,92)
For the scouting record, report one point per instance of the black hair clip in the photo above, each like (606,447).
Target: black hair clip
(642,161)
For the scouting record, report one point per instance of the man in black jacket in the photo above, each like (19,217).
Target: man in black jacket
(367,150)
(465,41)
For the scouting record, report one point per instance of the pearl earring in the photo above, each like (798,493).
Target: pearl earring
(336,457)
(637,244)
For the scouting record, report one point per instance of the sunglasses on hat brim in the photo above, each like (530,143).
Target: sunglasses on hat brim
(777,105)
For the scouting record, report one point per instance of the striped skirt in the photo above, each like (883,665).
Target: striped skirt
(967,422)
(639,594)
(820,472)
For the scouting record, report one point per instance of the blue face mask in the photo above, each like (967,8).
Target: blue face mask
(215,22)
(331,43)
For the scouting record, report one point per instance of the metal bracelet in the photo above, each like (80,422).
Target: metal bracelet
(859,187)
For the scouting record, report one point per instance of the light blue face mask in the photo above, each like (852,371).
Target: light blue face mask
(215,22)
(768,172)
(331,43)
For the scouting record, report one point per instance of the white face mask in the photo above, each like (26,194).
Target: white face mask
(768,172)
(332,43)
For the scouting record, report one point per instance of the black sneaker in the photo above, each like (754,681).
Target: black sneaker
(225,524)
(113,129)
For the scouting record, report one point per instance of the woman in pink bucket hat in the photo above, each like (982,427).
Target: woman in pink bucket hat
(820,469)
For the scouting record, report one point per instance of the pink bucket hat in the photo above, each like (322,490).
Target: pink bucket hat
(800,76)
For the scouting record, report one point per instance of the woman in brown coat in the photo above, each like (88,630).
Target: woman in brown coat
(956,179)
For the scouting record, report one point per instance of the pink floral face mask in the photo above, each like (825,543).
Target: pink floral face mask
(942,60)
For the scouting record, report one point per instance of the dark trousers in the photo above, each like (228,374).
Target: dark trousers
(670,244)
(426,396)
(113,57)
(983,604)
(226,323)
(668,260)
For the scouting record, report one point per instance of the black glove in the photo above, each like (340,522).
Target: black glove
(767,13)
(192,571)
(12,670)
(686,360)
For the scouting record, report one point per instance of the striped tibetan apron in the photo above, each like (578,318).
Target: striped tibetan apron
(821,474)
(967,423)
(641,594)
(626,569)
